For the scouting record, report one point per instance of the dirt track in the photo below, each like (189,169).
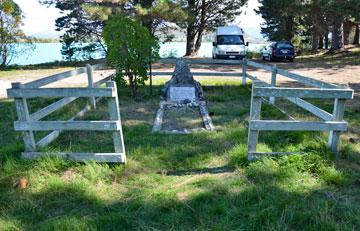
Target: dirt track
(338,74)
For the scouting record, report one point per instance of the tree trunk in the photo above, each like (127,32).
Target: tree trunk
(337,40)
(321,42)
(346,31)
(201,27)
(289,28)
(151,82)
(357,34)
(190,30)
(190,42)
(326,39)
(315,41)
(198,43)
(132,84)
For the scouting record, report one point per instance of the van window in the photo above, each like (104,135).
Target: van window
(230,40)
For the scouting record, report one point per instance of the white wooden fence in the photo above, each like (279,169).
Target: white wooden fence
(30,123)
(333,123)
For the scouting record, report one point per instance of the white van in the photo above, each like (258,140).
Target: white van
(229,43)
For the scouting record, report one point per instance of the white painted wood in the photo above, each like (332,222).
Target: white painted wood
(98,157)
(285,125)
(61,92)
(54,78)
(67,125)
(255,114)
(306,80)
(104,80)
(273,82)
(51,108)
(303,92)
(45,141)
(55,134)
(90,76)
(334,136)
(23,115)
(253,78)
(244,63)
(320,113)
(259,65)
(223,74)
(114,112)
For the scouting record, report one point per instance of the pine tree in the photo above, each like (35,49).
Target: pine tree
(204,16)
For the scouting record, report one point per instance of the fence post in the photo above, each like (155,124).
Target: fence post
(89,71)
(273,81)
(255,112)
(23,115)
(338,115)
(114,112)
(244,63)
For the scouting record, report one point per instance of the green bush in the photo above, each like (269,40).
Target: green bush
(254,54)
(131,49)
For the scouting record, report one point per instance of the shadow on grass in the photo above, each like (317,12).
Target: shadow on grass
(266,196)
(215,170)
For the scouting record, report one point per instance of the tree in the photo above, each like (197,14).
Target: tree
(10,32)
(283,18)
(82,28)
(310,20)
(315,21)
(357,34)
(84,20)
(129,52)
(206,15)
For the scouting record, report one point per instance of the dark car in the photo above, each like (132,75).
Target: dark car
(282,50)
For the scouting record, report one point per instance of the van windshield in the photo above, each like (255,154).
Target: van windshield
(230,40)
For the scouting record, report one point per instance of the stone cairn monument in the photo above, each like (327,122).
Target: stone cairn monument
(182,91)
(182,87)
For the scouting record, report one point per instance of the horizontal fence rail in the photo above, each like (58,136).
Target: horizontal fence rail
(67,125)
(304,92)
(224,74)
(98,157)
(331,122)
(283,125)
(30,123)
(60,92)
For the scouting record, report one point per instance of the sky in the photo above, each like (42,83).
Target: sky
(40,20)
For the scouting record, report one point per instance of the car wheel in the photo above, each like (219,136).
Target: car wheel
(291,60)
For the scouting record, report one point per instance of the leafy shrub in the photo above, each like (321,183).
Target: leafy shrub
(254,54)
(131,49)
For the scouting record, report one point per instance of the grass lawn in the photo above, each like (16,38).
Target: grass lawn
(199,181)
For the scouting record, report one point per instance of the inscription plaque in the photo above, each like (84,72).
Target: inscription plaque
(182,93)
